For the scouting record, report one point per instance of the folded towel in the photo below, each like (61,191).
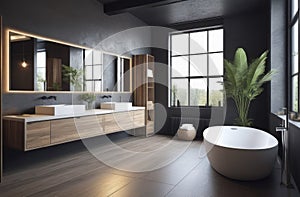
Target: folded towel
(187,127)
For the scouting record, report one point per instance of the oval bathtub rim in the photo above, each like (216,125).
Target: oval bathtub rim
(239,148)
(243,149)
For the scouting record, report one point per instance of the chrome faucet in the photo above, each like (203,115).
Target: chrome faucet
(281,128)
(285,170)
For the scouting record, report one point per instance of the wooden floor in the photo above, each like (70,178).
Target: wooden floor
(71,170)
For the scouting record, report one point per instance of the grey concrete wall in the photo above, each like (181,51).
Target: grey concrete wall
(278,54)
(76,21)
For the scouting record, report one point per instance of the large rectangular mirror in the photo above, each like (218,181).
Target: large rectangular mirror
(40,64)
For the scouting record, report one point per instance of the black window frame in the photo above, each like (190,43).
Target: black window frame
(207,77)
(93,65)
(292,20)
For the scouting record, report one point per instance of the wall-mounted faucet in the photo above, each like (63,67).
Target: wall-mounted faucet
(52,97)
(47,98)
(106,96)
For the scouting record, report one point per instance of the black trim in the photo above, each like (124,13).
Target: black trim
(93,66)
(292,20)
(207,77)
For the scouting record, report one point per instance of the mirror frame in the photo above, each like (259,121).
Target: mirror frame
(6,62)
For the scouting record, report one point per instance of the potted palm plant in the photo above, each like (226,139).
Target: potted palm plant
(243,82)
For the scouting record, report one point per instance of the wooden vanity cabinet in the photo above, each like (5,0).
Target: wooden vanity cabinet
(26,136)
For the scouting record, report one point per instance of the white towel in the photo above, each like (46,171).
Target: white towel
(187,127)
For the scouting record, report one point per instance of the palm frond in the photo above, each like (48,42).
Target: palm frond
(240,60)
(257,63)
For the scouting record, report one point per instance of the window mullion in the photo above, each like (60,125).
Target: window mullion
(189,78)
(298,59)
(189,70)
(207,77)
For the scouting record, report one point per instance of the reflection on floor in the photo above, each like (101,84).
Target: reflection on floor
(71,170)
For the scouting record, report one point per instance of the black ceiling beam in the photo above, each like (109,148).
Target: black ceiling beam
(122,6)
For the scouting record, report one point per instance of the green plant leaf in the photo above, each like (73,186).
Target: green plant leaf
(240,61)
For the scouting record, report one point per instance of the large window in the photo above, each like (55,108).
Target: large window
(294,53)
(196,67)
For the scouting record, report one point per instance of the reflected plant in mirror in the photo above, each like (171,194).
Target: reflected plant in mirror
(174,92)
(74,76)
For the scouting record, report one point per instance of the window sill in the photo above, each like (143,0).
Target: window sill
(201,107)
(295,123)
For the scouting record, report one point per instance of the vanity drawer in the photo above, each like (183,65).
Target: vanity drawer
(63,130)
(124,120)
(88,126)
(37,134)
(139,118)
(109,124)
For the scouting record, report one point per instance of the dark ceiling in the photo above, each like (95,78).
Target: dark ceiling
(170,12)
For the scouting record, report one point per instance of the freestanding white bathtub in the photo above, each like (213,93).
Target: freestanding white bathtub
(241,153)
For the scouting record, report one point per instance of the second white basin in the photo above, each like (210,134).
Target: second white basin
(119,106)
(57,110)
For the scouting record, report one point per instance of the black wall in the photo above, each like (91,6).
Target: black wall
(251,32)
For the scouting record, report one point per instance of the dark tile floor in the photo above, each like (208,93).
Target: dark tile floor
(70,170)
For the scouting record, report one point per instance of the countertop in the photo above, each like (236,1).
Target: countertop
(37,117)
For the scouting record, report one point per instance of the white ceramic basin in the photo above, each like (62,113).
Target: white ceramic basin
(57,110)
(119,106)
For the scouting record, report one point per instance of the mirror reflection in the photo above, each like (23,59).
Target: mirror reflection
(42,65)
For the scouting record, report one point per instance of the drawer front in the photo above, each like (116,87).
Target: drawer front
(37,134)
(63,130)
(124,120)
(88,126)
(139,118)
(109,123)
(120,121)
